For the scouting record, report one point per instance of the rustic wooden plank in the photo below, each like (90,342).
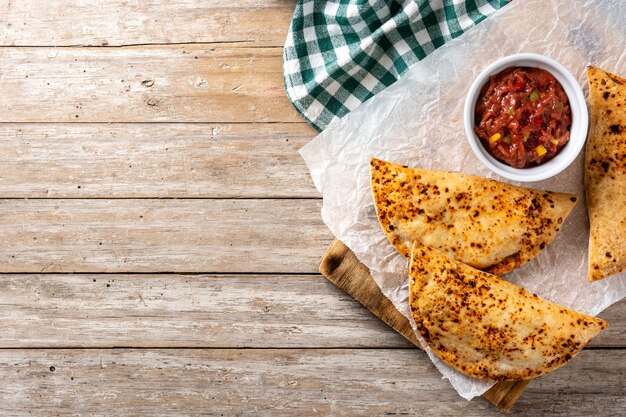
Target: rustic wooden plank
(161,235)
(120,22)
(592,384)
(252,311)
(282,382)
(180,83)
(341,267)
(183,311)
(615,335)
(154,160)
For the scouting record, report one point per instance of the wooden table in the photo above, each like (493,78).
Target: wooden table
(160,235)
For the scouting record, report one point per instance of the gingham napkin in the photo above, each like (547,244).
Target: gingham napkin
(338,54)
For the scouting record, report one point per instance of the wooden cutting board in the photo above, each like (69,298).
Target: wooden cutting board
(341,267)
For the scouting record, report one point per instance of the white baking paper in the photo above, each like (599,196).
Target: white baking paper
(418,121)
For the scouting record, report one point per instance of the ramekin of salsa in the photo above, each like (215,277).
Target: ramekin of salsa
(526,117)
(523,117)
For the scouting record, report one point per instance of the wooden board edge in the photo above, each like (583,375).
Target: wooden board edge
(339,265)
(506,393)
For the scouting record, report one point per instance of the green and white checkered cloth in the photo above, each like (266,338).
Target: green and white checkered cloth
(340,53)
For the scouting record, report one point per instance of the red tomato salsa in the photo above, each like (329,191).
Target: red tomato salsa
(523,116)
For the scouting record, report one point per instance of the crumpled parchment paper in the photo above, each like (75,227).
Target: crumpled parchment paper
(418,121)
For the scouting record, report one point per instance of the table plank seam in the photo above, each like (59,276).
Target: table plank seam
(343,347)
(248,43)
(156,122)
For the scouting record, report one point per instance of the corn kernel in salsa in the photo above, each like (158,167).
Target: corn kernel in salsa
(522,116)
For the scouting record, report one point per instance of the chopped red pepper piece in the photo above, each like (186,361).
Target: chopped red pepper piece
(519,85)
(538,120)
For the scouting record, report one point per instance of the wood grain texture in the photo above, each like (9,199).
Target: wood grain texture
(161,235)
(177,83)
(184,311)
(341,267)
(168,310)
(285,382)
(154,160)
(122,22)
(206,117)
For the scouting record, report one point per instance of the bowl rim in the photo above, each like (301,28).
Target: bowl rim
(578,129)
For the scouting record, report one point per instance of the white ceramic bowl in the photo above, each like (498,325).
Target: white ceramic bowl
(578,130)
